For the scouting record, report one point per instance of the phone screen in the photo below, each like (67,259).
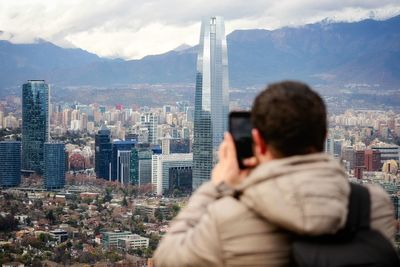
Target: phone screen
(240,127)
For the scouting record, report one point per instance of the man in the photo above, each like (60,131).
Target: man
(246,218)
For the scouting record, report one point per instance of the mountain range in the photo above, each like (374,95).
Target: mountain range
(324,53)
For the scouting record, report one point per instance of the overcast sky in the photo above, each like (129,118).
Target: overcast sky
(132,29)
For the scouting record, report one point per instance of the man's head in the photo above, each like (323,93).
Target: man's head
(289,119)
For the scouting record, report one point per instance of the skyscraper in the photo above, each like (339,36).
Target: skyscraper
(54,165)
(35,124)
(211,99)
(10,163)
(103,152)
(121,161)
(150,121)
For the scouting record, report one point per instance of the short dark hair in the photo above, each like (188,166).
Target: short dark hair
(291,119)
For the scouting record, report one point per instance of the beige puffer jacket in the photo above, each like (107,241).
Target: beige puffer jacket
(301,194)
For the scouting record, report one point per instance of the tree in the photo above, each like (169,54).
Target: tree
(87,257)
(50,216)
(175,210)
(33,242)
(107,197)
(154,239)
(124,202)
(138,228)
(113,256)
(8,223)
(44,237)
(148,252)
(158,215)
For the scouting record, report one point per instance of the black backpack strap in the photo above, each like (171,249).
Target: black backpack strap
(359,208)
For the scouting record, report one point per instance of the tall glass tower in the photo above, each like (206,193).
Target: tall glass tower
(103,152)
(211,99)
(54,167)
(10,163)
(35,124)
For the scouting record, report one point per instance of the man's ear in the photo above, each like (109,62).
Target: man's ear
(259,143)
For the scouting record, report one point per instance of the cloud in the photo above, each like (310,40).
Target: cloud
(132,29)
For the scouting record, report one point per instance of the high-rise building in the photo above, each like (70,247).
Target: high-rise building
(54,165)
(348,156)
(166,168)
(180,178)
(35,124)
(10,163)
(359,158)
(141,165)
(149,120)
(328,147)
(388,152)
(372,160)
(121,161)
(211,99)
(103,152)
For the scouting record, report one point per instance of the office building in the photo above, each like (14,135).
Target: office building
(348,156)
(180,179)
(337,148)
(54,165)
(35,124)
(372,160)
(59,235)
(10,163)
(211,98)
(150,210)
(165,144)
(134,166)
(164,166)
(396,205)
(103,153)
(388,152)
(141,165)
(359,158)
(329,146)
(110,239)
(133,241)
(121,161)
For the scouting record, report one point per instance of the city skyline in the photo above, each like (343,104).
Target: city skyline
(97,180)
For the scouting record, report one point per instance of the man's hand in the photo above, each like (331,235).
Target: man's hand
(227,169)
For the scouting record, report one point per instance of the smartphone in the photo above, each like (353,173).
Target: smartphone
(240,128)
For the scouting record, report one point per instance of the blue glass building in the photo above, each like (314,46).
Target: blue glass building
(103,152)
(121,161)
(211,99)
(10,163)
(35,124)
(54,165)
(141,165)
